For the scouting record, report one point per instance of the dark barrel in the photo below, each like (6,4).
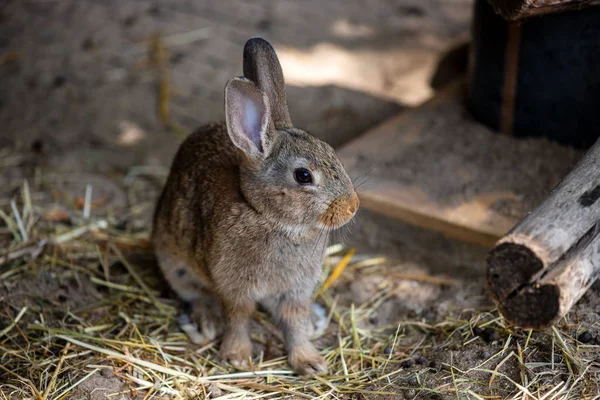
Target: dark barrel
(537,77)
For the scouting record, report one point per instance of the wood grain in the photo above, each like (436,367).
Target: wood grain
(435,167)
(550,258)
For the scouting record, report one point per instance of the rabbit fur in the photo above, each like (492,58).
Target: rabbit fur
(234,227)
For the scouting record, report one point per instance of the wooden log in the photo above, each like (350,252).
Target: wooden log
(539,270)
(514,10)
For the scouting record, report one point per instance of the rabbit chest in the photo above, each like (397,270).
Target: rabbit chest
(257,261)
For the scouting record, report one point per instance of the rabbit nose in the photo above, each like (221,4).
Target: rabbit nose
(353,204)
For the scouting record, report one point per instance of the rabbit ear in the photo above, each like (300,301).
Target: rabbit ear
(248,118)
(261,66)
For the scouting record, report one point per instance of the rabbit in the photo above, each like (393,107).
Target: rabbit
(245,215)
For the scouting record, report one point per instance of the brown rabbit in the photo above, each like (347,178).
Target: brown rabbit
(246,212)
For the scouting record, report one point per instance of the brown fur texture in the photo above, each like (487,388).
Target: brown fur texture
(233,227)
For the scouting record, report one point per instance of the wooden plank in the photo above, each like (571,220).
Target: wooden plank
(513,10)
(437,168)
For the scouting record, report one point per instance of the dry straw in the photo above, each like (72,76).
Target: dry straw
(49,351)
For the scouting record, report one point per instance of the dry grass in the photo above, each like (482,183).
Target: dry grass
(49,348)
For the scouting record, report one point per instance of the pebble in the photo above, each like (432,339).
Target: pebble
(215,391)
(411,11)
(122,225)
(176,58)
(264,25)
(37,146)
(59,81)
(88,44)
(407,363)
(489,335)
(155,11)
(585,337)
(107,373)
(388,350)
(129,21)
(420,360)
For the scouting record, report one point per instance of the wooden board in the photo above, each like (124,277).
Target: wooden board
(437,168)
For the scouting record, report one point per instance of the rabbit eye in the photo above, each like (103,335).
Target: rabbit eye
(303,176)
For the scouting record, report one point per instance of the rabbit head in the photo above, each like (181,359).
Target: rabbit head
(291,177)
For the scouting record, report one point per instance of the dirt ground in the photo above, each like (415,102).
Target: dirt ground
(76,75)
(79,101)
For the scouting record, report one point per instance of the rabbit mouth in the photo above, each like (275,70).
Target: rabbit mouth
(340,211)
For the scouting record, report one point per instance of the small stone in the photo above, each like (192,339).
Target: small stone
(117,266)
(388,350)
(88,44)
(129,21)
(585,337)
(411,11)
(264,25)
(176,58)
(155,11)
(420,360)
(410,393)
(489,335)
(428,315)
(484,354)
(59,81)
(407,363)
(215,391)
(107,373)
(122,225)
(477,331)
(37,146)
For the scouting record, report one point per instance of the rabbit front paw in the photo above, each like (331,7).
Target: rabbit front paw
(306,360)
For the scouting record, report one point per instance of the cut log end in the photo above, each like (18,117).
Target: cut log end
(510,267)
(532,307)
(543,266)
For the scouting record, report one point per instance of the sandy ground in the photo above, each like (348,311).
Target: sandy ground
(76,76)
(78,94)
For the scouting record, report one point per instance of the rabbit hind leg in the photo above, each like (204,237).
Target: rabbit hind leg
(204,307)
